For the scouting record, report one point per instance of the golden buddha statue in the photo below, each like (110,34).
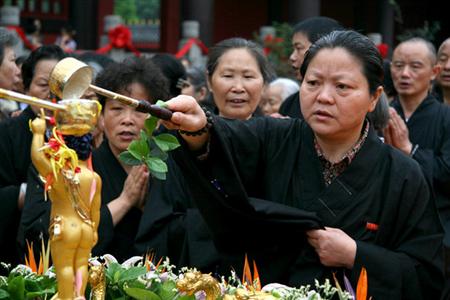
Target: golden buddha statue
(74,190)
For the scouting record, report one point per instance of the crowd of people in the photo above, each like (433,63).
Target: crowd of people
(344,166)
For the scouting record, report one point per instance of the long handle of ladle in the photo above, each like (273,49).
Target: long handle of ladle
(10,95)
(139,105)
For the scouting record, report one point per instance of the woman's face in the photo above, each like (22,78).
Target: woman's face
(39,83)
(237,84)
(122,123)
(9,72)
(300,44)
(335,95)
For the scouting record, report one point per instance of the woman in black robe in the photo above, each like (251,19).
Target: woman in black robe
(172,225)
(372,200)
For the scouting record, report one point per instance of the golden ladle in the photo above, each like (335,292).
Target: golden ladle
(10,95)
(70,78)
(73,116)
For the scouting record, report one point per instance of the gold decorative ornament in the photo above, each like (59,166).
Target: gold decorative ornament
(79,116)
(97,280)
(71,78)
(195,281)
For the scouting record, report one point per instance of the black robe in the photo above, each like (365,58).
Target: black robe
(116,240)
(172,226)
(429,127)
(276,160)
(15,144)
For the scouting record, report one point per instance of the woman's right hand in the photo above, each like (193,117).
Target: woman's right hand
(187,114)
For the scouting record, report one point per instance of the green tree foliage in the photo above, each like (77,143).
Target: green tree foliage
(132,10)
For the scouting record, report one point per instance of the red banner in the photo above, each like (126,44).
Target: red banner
(192,41)
(22,36)
(120,38)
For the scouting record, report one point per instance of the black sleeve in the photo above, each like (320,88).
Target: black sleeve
(35,218)
(237,151)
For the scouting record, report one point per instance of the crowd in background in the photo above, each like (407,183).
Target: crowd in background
(401,129)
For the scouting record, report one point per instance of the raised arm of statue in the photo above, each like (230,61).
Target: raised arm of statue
(39,159)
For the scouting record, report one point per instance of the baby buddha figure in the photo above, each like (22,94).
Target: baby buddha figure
(74,190)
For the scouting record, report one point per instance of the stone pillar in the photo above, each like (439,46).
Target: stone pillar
(109,22)
(300,10)
(203,12)
(265,31)
(375,37)
(191,29)
(10,16)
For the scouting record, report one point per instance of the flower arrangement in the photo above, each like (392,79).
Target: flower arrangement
(141,278)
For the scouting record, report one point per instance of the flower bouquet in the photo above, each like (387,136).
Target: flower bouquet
(141,278)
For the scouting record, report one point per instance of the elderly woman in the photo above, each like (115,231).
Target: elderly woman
(172,225)
(276,92)
(372,201)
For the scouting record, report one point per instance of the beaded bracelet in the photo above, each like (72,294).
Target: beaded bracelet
(209,123)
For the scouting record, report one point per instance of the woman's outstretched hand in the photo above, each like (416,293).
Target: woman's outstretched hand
(187,116)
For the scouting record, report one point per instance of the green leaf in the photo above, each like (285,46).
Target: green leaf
(150,125)
(33,295)
(143,136)
(141,294)
(127,158)
(156,164)
(166,142)
(168,290)
(4,295)
(111,270)
(159,175)
(16,288)
(157,152)
(132,273)
(139,149)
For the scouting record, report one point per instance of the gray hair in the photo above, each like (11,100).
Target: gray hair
(289,86)
(7,39)
(379,117)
